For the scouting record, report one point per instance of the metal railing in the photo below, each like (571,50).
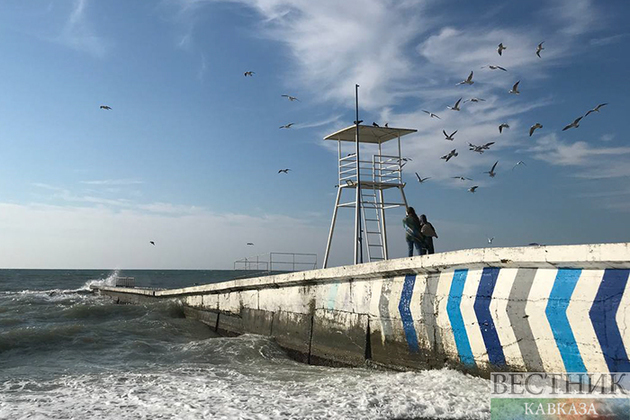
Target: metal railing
(278,261)
(381,169)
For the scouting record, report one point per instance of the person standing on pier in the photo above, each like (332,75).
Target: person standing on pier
(428,233)
(413,234)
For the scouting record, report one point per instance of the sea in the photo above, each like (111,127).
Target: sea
(66,353)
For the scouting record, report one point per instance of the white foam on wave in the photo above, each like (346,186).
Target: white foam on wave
(221,392)
(107,281)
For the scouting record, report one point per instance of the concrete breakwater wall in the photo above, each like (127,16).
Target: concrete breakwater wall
(553,309)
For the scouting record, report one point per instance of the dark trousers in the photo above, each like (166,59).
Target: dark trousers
(419,246)
(429,245)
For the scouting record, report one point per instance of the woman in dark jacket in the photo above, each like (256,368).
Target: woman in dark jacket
(412,232)
(428,233)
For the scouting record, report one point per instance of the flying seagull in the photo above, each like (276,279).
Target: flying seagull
(480,149)
(490,240)
(596,109)
(449,136)
(574,124)
(386,125)
(519,163)
(468,81)
(420,179)
(539,49)
(475,100)
(491,171)
(106,107)
(287,125)
(462,178)
(514,89)
(501,48)
(249,73)
(491,67)
(250,243)
(456,106)
(533,128)
(502,126)
(284,171)
(291,98)
(473,189)
(431,114)
(375,125)
(449,155)
(152,243)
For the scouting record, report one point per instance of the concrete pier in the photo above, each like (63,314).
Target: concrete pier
(547,308)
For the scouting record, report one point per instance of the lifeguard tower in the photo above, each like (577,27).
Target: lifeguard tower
(368,179)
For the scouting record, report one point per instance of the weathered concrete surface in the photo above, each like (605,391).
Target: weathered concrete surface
(555,309)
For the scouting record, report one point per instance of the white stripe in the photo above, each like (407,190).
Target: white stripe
(536,305)
(623,317)
(473,329)
(425,339)
(498,310)
(578,315)
(445,330)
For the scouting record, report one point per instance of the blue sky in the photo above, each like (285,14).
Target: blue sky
(188,156)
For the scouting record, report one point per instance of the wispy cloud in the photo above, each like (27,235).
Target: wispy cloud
(79,35)
(599,42)
(113,182)
(596,162)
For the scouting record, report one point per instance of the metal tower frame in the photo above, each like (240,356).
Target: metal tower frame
(369,178)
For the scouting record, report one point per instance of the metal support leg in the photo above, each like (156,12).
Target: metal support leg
(332,227)
(383,228)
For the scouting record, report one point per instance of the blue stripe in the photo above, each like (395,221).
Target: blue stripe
(405,313)
(603,315)
(556,312)
(486,323)
(455,316)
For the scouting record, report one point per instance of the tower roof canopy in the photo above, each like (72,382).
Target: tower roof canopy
(369,134)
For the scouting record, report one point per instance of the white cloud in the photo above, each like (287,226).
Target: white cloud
(596,162)
(112,182)
(78,34)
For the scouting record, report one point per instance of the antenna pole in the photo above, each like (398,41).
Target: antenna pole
(358,242)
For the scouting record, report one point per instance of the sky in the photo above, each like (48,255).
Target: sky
(188,155)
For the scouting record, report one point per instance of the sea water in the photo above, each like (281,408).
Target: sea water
(66,353)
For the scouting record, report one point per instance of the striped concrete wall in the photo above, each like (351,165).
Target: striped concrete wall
(554,309)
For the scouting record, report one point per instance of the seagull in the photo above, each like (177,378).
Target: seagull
(421,180)
(514,89)
(539,49)
(462,178)
(386,125)
(473,189)
(250,243)
(249,73)
(468,81)
(456,107)
(596,109)
(574,124)
(519,163)
(375,125)
(480,149)
(450,154)
(291,98)
(152,243)
(491,171)
(501,48)
(491,67)
(431,114)
(449,136)
(284,171)
(287,125)
(475,100)
(106,107)
(490,240)
(502,126)
(533,128)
